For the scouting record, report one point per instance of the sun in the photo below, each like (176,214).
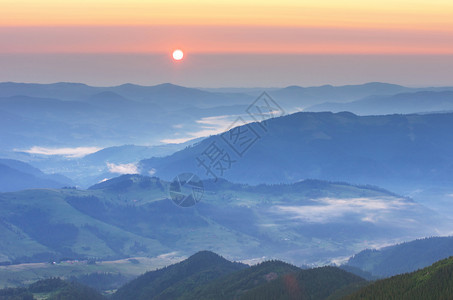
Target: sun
(178,54)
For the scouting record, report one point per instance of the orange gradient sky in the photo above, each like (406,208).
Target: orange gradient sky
(267,42)
(199,26)
(223,39)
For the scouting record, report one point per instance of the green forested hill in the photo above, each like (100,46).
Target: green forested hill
(176,280)
(404,152)
(434,282)
(318,283)
(206,276)
(236,284)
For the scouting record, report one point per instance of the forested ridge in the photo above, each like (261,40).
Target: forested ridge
(434,282)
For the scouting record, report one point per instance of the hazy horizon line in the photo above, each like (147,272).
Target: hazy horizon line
(226,87)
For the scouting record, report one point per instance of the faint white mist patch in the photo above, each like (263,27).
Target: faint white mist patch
(152,172)
(66,152)
(254,261)
(327,210)
(169,254)
(268,225)
(379,244)
(175,141)
(208,126)
(340,260)
(122,168)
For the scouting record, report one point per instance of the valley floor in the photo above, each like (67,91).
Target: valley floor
(22,274)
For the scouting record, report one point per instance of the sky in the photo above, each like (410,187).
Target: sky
(227,43)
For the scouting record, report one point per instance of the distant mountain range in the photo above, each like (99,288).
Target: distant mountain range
(407,103)
(31,121)
(304,97)
(398,152)
(164,94)
(169,94)
(73,114)
(310,222)
(403,258)
(16,175)
(69,115)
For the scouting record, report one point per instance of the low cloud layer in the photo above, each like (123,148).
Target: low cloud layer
(122,168)
(331,209)
(66,152)
(208,126)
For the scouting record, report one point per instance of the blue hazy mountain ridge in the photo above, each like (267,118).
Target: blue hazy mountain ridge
(43,121)
(78,91)
(303,97)
(132,153)
(170,96)
(406,103)
(105,119)
(16,175)
(62,90)
(48,109)
(309,222)
(37,124)
(92,168)
(397,152)
(164,94)
(403,258)
(72,114)
(112,100)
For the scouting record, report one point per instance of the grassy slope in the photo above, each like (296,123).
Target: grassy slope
(130,216)
(32,208)
(129,213)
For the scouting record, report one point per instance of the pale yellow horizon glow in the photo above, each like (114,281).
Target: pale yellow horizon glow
(233,26)
(427,15)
